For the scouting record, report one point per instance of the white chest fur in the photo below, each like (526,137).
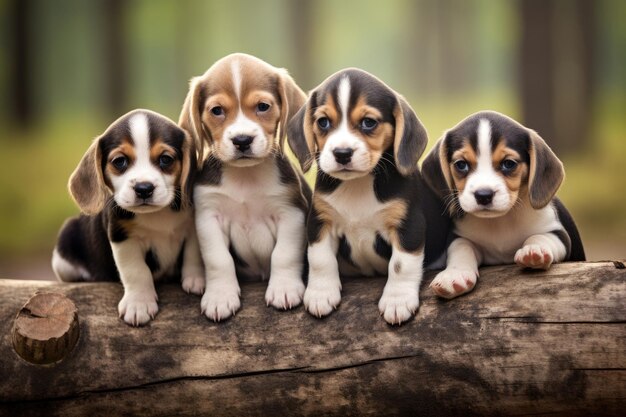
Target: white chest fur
(163,233)
(248,205)
(499,238)
(359,216)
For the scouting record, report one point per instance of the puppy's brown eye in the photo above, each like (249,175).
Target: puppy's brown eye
(262,107)
(165,161)
(461,166)
(217,110)
(120,162)
(508,165)
(323,123)
(368,124)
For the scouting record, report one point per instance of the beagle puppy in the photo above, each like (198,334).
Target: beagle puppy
(370,207)
(250,202)
(499,179)
(132,186)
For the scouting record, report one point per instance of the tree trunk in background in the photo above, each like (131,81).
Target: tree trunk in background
(455,22)
(536,65)
(437,53)
(556,62)
(20,82)
(115,57)
(575,36)
(301,15)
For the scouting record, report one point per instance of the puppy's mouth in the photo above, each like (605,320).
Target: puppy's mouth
(487,213)
(346,173)
(146,206)
(245,160)
(245,155)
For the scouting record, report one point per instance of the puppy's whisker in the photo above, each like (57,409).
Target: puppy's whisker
(451,202)
(383,167)
(310,160)
(518,203)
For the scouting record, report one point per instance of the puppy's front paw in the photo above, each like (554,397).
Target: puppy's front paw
(398,303)
(534,256)
(219,302)
(138,308)
(193,284)
(321,300)
(284,293)
(453,282)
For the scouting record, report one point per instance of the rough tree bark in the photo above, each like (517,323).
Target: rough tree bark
(521,343)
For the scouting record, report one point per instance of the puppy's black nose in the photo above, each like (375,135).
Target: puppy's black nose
(484,196)
(242,142)
(144,189)
(343,155)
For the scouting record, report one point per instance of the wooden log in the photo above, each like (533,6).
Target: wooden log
(521,343)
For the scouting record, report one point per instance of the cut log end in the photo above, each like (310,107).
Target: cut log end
(46,328)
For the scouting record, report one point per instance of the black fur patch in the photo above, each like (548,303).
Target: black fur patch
(211,172)
(576,251)
(152,261)
(344,250)
(117,232)
(412,231)
(390,184)
(116,216)
(169,133)
(324,183)
(177,202)
(285,170)
(564,238)
(382,248)
(314,226)
(83,242)
(289,176)
(455,139)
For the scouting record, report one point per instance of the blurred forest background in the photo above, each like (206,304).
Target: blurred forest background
(70,67)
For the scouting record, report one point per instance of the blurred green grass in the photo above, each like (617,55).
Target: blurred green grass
(34,200)
(595,184)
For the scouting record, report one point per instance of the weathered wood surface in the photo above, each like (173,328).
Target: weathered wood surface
(521,343)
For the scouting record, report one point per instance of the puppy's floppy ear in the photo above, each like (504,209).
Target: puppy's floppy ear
(188,171)
(191,118)
(436,169)
(86,184)
(546,172)
(410,137)
(300,136)
(292,99)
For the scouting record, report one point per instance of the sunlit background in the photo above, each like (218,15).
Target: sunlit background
(70,67)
